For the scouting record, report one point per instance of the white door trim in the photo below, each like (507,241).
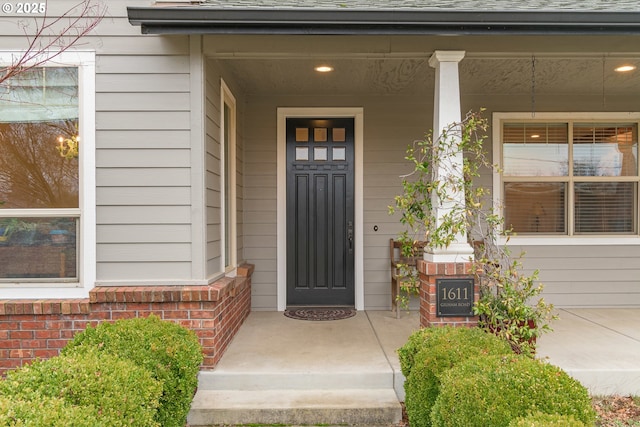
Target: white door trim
(358,115)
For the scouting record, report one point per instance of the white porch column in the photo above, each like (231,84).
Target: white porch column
(446,111)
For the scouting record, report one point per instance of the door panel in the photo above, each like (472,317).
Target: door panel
(320,211)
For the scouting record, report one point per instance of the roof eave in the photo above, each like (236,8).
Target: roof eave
(207,20)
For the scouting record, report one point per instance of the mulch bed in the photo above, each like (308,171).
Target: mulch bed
(617,411)
(612,411)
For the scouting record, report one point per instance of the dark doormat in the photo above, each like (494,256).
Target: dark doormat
(320,313)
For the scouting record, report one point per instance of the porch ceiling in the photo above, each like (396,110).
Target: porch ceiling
(413,76)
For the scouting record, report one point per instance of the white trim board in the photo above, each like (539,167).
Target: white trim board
(358,115)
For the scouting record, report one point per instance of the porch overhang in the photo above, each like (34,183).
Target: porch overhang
(213,20)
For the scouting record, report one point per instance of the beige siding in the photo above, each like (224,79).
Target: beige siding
(215,73)
(213,169)
(260,201)
(586,276)
(142,152)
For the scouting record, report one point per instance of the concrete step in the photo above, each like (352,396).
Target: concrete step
(310,380)
(290,407)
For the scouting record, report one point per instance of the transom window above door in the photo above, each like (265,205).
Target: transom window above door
(567,175)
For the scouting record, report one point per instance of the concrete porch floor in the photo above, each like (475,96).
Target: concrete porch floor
(275,363)
(598,347)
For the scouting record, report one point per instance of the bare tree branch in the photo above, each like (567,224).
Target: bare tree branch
(54,35)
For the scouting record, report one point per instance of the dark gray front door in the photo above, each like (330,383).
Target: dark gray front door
(320,212)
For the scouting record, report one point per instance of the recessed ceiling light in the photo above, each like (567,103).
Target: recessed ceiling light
(535,135)
(625,68)
(324,69)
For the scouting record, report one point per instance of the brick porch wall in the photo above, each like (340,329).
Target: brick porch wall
(32,329)
(429,272)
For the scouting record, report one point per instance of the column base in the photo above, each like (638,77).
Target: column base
(429,272)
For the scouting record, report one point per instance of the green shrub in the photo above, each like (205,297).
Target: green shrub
(442,351)
(540,419)
(45,411)
(495,390)
(416,342)
(118,392)
(170,352)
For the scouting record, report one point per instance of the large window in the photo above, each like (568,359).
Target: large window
(43,196)
(567,176)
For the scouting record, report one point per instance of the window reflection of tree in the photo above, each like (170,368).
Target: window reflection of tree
(33,174)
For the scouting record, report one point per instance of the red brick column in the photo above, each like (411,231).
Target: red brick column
(31,329)
(431,271)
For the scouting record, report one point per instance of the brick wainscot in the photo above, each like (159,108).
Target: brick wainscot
(32,329)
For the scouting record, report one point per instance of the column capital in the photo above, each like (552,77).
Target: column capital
(439,56)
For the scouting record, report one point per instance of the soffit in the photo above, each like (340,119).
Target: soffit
(369,63)
(413,76)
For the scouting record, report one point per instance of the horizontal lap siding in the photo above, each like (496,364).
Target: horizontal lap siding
(213,167)
(143,153)
(260,162)
(391,124)
(586,276)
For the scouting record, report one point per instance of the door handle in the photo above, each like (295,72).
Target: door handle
(350,236)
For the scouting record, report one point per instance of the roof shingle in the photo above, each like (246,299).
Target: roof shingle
(436,5)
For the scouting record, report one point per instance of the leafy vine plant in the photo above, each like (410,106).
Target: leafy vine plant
(442,201)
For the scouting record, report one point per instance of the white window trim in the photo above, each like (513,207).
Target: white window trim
(85,61)
(226,97)
(497,120)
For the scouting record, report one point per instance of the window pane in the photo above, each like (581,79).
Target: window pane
(39,139)
(40,95)
(40,248)
(320,154)
(535,149)
(605,207)
(34,173)
(605,150)
(532,207)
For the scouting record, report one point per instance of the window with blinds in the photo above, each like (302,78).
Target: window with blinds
(570,177)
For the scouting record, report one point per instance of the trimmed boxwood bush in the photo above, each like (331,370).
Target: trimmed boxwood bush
(416,342)
(44,411)
(441,351)
(118,392)
(495,390)
(546,420)
(169,351)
